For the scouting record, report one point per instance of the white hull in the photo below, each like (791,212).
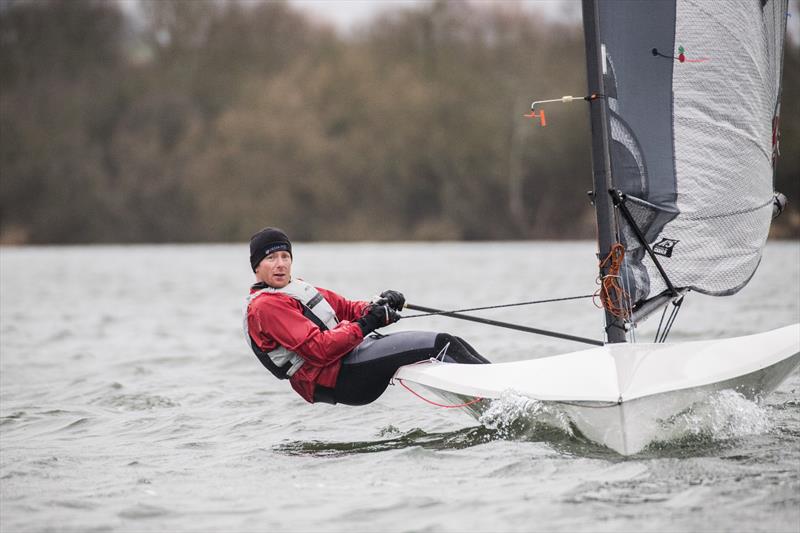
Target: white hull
(619,395)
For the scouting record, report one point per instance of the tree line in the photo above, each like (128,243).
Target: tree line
(205,120)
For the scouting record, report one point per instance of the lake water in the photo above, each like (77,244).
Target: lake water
(130,402)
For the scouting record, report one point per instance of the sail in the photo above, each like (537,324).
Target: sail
(692,90)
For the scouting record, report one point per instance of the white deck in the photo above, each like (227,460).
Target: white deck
(618,394)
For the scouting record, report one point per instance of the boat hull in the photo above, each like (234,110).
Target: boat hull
(648,391)
(630,426)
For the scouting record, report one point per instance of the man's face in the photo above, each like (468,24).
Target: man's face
(275,269)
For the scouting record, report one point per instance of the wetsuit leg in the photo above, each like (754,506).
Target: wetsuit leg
(367,370)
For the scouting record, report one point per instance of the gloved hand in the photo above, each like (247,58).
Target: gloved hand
(395,299)
(376,317)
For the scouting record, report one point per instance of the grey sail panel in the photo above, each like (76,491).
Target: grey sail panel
(692,135)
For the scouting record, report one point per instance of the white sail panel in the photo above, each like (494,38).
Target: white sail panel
(724,106)
(693,91)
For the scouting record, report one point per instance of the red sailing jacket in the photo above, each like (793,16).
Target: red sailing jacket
(275,319)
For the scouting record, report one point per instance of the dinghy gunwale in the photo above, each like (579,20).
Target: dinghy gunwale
(434,374)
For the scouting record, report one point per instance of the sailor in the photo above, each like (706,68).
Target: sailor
(324,344)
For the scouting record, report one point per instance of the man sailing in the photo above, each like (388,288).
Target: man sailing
(323,343)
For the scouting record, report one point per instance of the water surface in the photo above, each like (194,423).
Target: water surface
(130,402)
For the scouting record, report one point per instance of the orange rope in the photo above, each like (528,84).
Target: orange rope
(612,295)
(409,389)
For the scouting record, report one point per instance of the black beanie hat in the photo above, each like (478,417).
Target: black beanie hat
(265,242)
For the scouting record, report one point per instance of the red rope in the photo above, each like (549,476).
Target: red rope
(612,295)
(409,389)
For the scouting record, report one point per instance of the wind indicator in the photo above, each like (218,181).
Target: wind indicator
(533,115)
(681,57)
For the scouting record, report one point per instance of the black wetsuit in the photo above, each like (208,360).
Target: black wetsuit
(367,370)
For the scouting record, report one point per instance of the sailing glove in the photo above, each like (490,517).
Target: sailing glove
(376,317)
(395,299)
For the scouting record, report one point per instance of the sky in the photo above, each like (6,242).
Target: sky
(346,15)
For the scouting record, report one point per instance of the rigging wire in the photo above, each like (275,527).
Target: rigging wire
(660,323)
(626,296)
(500,306)
(629,302)
(629,306)
(627,286)
(676,307)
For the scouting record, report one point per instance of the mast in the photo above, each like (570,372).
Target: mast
(601,159)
